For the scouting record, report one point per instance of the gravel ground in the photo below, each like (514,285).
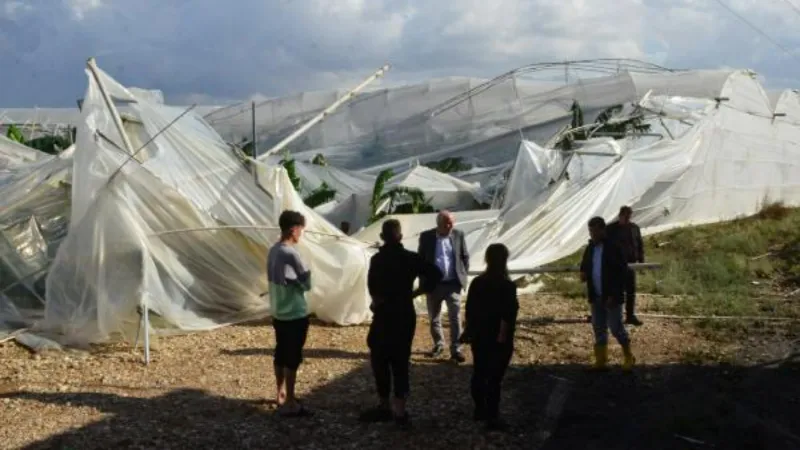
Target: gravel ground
(214,390)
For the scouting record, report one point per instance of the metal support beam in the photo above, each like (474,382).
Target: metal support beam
(328,111)
(92,66)
(565,269)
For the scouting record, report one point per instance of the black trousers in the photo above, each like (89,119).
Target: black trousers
(490,361)
(630,292)
(389,340)
(290,338)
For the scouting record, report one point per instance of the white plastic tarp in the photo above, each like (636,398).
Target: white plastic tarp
(442,190)
(185,228)
(534,169)
(744,158)
(730,163)
(344,182)
(470,222)
(183,231)
(13,154)
(34,217)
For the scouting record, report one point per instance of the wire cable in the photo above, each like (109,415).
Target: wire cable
(794,7)
(757,30)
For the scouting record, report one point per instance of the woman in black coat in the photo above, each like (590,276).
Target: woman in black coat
(491,315)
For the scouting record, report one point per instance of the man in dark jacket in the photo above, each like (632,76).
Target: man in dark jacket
(446,247)
(603,269)
(627,235)
(390,280)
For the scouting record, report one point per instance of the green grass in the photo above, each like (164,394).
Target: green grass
(718,269)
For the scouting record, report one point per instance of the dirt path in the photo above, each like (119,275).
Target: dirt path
(208,390)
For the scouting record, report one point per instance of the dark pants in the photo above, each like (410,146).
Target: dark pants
(630,293)
(490,361)
(389,340)
(290,338)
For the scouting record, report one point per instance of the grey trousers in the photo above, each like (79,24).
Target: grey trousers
(451,295)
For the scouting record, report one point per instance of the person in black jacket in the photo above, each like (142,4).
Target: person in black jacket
(491,318)
(390,281)
(603,268)
(627,235)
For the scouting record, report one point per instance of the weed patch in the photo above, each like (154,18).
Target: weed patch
(735,268)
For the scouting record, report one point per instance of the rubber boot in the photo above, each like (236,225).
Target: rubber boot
(630,360)
(600,356)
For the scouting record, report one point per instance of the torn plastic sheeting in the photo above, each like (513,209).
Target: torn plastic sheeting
(36,342)
(193,280)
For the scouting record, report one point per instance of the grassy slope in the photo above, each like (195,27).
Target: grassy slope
(734,268)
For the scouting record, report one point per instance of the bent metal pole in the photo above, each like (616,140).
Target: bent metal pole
(92,66)
(328,111)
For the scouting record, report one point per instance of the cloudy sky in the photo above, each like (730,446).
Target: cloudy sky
(212,51)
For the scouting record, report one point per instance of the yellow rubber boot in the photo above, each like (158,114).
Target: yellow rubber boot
(600,357)
(630,360)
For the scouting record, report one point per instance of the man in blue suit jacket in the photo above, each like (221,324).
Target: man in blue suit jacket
(446,247)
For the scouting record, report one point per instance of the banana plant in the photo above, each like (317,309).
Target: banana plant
(15,134)
(405,200)
(319,160)
(378,195)
(319,196)
(402,200)
(291,169)
(449,165)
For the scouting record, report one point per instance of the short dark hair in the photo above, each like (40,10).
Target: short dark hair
(625,211)
(390,230)
(290,219)
(497,260)
(597,222)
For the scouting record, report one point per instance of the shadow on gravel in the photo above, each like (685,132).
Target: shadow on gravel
(553,407)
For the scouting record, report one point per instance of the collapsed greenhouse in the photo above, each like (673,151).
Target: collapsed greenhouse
(172,217)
